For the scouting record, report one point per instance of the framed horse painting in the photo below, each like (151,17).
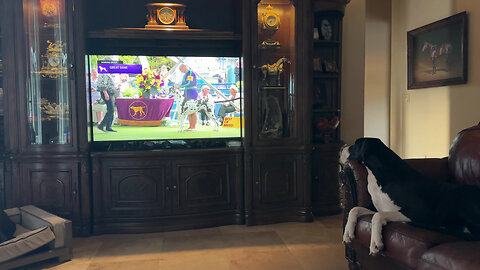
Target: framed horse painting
(437,53)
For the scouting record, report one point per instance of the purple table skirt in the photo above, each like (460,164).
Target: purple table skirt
(143,111)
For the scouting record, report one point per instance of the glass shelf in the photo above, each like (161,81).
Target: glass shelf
(48,96)
(276,69)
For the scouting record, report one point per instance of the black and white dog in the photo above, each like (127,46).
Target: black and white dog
(186,107)
(400,193)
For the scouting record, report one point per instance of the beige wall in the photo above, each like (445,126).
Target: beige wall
(353,72)
(423,122)
(465,99)
(366,70)
(377,70)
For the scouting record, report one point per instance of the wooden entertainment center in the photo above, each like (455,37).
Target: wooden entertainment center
(283,169)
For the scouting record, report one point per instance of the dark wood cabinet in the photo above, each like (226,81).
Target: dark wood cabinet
(325,187)
(290,132)
(325,94)
(49,187)
(277,180)
(47,162)
(133,188)
(325,105)
(277,192)
(2,132)
(203,186)
(276,50)
(157,191)
(53,184)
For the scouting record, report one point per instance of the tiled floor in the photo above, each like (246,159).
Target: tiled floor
(289,246)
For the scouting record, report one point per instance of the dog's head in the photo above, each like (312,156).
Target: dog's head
(362,149)
(371,152)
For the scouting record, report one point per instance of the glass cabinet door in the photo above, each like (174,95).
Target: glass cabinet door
(47,83)
(276,69)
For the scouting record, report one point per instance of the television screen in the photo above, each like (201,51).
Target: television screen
(149,98)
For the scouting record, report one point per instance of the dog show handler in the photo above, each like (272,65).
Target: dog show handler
(189,83)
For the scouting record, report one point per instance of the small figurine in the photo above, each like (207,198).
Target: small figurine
(272,72)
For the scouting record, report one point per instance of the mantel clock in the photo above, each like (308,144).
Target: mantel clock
(166,16)
(270,20)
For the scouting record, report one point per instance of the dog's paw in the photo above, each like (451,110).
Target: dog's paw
(349,233)
(376,245)
(344,154)
(348,237)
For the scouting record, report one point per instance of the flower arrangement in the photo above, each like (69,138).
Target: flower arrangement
(148,79)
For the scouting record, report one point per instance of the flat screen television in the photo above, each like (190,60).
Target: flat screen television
(164,101)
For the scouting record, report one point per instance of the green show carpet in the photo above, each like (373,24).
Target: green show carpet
(131,133)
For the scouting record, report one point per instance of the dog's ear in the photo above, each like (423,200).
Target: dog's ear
(357,150)
(364,147)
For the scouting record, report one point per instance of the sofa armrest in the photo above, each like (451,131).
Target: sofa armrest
(434,168)
(353,177)
(34,218)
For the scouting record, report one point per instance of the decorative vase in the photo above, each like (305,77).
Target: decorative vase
(146,94)
(153,91)
(150,92)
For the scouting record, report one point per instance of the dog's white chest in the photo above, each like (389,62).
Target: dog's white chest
(380,199)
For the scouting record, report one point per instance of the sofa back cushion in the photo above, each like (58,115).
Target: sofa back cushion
(464,157)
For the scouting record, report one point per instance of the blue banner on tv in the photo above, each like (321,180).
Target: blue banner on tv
(119,68)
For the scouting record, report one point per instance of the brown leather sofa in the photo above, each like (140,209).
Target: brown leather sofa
(406,246)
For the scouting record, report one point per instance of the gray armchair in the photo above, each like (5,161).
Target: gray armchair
(39,236)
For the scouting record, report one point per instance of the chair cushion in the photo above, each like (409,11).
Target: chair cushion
(452,256)
(402,242)
(25,243)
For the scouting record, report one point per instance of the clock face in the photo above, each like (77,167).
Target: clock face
(271,20)
(54,60)
(166,15)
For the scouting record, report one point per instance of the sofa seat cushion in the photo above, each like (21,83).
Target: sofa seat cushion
(452,256)
(20,230)
(25,242)
(402,242)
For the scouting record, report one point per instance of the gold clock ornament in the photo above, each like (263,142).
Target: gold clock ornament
(270,19)
(166,16)
(53,61)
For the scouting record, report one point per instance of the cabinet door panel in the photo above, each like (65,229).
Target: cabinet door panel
(277,180)
(325,186)
(135,191)
(203,187)
(51,187)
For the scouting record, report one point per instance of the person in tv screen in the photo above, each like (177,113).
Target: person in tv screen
(107,89)
(189,83)
(205,95)
(228,107)
(96,101)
